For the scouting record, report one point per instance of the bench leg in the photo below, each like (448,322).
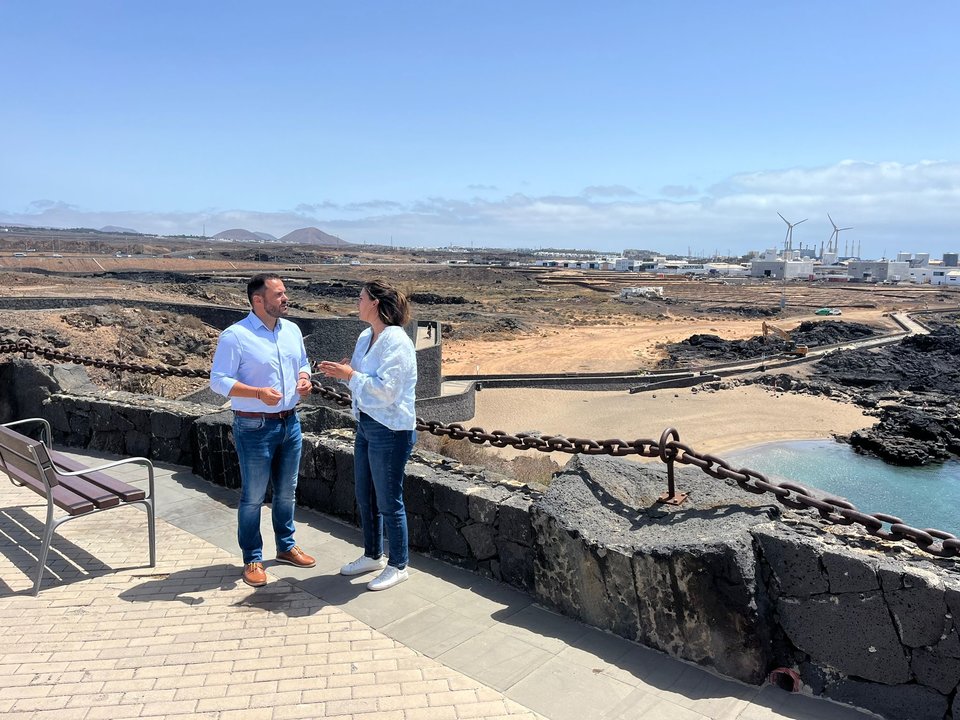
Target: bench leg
(151,531)
(52,525)
(44,548)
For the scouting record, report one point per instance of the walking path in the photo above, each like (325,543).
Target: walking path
(111,638)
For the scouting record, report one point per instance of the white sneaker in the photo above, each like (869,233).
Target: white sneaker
(363,564)
(388,578)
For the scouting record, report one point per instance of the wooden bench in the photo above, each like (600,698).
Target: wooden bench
(70,485)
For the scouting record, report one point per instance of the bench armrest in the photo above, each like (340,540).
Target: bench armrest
(47,435)
(106,466)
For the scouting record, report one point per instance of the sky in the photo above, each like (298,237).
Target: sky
(683,127)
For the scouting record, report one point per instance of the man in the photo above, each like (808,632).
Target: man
(261,365)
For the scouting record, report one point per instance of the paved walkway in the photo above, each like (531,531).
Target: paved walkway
(111,638)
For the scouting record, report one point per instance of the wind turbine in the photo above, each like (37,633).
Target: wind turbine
(834,241)
(788,240)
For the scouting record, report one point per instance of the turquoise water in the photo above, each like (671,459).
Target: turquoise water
(921,496)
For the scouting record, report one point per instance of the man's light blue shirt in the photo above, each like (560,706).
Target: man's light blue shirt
(384,381)
(251,353)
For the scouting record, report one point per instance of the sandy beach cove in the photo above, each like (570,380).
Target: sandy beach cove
(714,422)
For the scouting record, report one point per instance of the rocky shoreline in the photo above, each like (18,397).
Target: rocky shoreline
(911,386)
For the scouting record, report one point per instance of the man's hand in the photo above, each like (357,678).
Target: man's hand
(304,386)
(269,396)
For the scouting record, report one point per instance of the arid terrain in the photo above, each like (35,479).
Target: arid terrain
(495,320)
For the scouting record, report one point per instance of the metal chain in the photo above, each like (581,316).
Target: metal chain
(48,353)
(789,494)
(793,495)
(28,348)
(341,398)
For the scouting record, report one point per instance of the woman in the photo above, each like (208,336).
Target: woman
(382,376)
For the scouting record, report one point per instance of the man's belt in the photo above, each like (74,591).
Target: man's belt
(266,416)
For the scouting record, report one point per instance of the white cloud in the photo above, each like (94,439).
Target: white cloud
(608,191)
(891,206)
(678,191)
(49,205)
(848,177)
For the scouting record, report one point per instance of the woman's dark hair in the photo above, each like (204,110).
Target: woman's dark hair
(392,306)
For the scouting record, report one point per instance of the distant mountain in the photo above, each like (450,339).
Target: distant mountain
(118,229)
(241,235)
(266,236)
(312,236)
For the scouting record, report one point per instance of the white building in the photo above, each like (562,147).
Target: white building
(878,270)
(727,269)
(934,275)
(782,269)
(833,272)
(679,267)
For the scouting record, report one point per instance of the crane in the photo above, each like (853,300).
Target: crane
(791,346)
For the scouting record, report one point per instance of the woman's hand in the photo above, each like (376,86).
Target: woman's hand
(339,371)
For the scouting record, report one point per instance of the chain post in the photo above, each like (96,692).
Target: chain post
(671,496)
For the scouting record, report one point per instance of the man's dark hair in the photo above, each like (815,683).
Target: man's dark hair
(393,307)
(257,283)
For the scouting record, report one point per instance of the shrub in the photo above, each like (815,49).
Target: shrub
(535,468)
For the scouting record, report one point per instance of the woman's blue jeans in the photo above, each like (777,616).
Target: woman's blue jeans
(378,461)
(269,454)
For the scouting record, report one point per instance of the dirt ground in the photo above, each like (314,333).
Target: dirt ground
(495,320)
(607,348)
(110,331)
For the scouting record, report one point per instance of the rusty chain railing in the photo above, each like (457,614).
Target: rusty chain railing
(28,348)
(668,449)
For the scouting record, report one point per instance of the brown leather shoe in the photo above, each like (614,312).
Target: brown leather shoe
(296,556)
(253,574)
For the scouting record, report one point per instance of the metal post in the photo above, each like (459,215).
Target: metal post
(671,497)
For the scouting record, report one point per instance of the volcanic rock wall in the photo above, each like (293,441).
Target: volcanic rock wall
(728,580)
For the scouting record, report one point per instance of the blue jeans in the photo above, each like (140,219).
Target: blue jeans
(269,453)
(378,460)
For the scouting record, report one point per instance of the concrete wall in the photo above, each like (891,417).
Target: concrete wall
(455,407)
(429,373)
(729,580)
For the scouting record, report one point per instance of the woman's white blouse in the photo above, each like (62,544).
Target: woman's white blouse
(384,381)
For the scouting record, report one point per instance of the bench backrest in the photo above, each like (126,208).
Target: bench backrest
(29,456)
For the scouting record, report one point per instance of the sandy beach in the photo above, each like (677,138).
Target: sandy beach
(714,422)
